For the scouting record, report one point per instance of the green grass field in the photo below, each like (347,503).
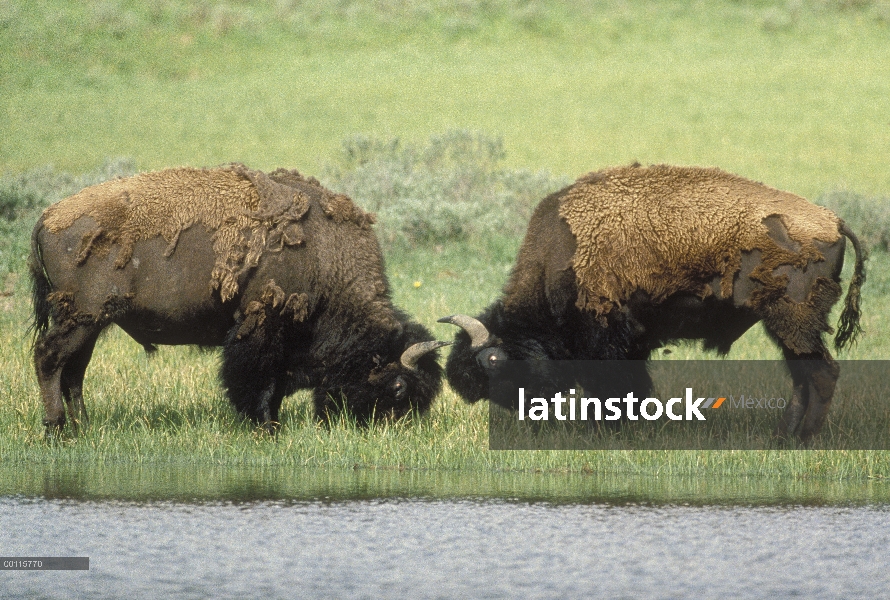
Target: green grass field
(794,94)
(791,93)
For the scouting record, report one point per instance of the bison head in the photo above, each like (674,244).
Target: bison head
(496,353)
(482,347)
(399,377)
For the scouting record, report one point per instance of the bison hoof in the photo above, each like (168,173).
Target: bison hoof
(270,428)
(53,431)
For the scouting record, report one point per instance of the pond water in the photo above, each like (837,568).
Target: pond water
(415,535)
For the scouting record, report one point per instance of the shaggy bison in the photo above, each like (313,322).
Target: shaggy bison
(284,274)
(628,259)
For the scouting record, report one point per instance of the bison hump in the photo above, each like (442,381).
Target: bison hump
(664,230)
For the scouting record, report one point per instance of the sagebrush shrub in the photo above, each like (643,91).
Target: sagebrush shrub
(869,218)
(451,188)
(38,188)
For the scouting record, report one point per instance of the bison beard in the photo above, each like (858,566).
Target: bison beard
(284,274)
(629,259)
(369,383)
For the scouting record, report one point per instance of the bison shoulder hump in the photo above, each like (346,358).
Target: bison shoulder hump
(666,229)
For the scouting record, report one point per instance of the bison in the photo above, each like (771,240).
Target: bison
(628,259)
(285,275)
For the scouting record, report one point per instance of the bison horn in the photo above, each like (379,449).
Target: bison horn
(413,353)
(479,336)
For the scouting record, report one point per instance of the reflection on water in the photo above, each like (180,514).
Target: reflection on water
(191,483)
(203,532)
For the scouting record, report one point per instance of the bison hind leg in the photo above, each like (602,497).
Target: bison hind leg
(61,356)
(822,380)
(798,328)
(814,377)
(72,383)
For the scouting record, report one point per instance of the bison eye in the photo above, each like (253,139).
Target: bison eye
(490,358)
(399,388)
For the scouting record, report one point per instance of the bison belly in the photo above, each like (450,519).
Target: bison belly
(158,296)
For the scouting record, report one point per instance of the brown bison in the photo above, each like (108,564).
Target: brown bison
(629,259)
(285,275)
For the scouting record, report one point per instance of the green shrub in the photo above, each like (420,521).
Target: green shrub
(23,196)
(451,189)
(869,218)
(38,188)
(13,199)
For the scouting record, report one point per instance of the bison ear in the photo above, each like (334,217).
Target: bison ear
(562,294)
(479,335)
(413,353)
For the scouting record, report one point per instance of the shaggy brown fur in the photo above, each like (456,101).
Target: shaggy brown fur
(285,275)
(229,200)
(642,228)
(629,259)
(272,303)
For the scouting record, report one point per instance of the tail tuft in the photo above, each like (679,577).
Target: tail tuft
(40,287)
(848,324)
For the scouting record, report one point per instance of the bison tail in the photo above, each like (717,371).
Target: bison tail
(848,325)
(40,286)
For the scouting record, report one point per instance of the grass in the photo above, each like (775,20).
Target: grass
(572,86)
(198,482)
(169,409)
(793,94)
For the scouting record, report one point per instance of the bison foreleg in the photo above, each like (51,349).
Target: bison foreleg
(258,399)
(251,373)
(329,403)
(266,411)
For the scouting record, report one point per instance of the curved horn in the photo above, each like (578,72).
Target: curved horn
(413,352)
(479,336)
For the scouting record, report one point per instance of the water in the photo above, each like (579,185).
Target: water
(493,536)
